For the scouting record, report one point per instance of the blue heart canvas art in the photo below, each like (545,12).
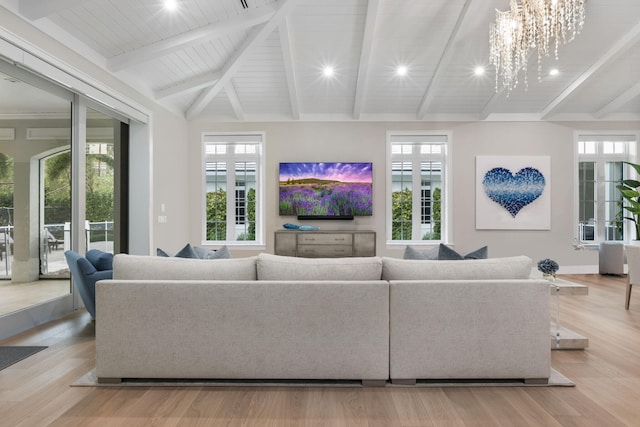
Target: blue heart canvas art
(513,191)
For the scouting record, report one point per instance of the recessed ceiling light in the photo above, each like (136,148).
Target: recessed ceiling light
(478,71)
(328,71)
(554,72)
(402,70)
(171,5)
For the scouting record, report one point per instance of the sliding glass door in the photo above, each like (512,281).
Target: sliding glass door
(63,181)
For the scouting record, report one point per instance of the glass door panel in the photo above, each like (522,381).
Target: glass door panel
(102,135)
(35,131)
(55,170)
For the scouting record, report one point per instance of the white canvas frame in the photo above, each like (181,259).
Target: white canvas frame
(490,215)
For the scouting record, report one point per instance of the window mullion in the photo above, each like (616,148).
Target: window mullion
(416,202)
(231,200)
(600,205)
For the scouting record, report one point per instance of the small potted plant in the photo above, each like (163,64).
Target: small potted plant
(630,191)
(548,268)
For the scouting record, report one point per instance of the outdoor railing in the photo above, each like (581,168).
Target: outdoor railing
(55,239)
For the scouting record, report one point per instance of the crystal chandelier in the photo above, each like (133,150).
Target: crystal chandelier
(531,24)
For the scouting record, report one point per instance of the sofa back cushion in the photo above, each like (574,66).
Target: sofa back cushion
(135,267)
(276,267)
(517,267)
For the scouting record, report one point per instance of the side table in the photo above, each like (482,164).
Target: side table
(561,337)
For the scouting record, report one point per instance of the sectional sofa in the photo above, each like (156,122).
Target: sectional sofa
(368,319)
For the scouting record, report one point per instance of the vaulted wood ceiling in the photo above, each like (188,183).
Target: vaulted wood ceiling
(216,59)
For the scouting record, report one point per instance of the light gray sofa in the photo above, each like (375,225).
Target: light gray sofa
(179,318)
(473,319)
(276,317)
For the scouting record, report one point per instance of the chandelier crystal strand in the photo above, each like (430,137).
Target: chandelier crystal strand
(531,24)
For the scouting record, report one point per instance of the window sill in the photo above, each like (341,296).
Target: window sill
(250,246)
(422,243)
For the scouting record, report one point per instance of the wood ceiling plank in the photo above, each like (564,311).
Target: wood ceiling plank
(240,55)
(442,63)
(191,38)
(36,9)
(617,49)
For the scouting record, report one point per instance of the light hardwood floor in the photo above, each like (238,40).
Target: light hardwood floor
(18,296)
(36,391)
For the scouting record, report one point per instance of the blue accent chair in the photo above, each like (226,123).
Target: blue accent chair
(86,271)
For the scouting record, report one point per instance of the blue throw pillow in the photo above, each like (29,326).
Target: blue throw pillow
(101,260)
(446,253)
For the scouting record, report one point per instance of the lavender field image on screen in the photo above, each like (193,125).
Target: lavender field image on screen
(326,189)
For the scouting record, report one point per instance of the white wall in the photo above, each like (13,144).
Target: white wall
(357,141)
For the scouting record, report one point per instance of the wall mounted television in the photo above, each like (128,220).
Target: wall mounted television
(316,190)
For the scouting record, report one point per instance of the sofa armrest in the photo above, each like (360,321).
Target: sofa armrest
(469,329)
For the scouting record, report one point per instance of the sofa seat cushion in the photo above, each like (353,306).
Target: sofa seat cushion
(517,267)
(136,267)
(276,267)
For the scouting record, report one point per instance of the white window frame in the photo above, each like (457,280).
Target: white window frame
(230,158)
(600,158)
(418,136)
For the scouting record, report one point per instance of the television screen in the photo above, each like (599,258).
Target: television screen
(326,190)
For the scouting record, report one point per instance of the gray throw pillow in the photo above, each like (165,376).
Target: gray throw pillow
(160,252)
(413,253)
(446,253)
(203,253)
(186,252)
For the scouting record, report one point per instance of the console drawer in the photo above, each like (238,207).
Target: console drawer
(325,239)
(325,251)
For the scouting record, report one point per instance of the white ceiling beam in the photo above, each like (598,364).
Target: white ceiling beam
(619,101)
(289,69)
(36,9)
(234,99)
(189,85)
(365,57)
(448,52)
(618,49)
(256,37)
(248,19)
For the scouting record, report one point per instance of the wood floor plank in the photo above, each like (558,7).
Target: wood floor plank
(37,392)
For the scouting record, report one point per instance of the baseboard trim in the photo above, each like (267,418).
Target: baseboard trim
(582,269)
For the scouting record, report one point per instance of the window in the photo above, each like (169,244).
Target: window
(417,192)
(600,171)
(232,167)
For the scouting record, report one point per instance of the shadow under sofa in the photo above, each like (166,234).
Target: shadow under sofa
(282,318)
